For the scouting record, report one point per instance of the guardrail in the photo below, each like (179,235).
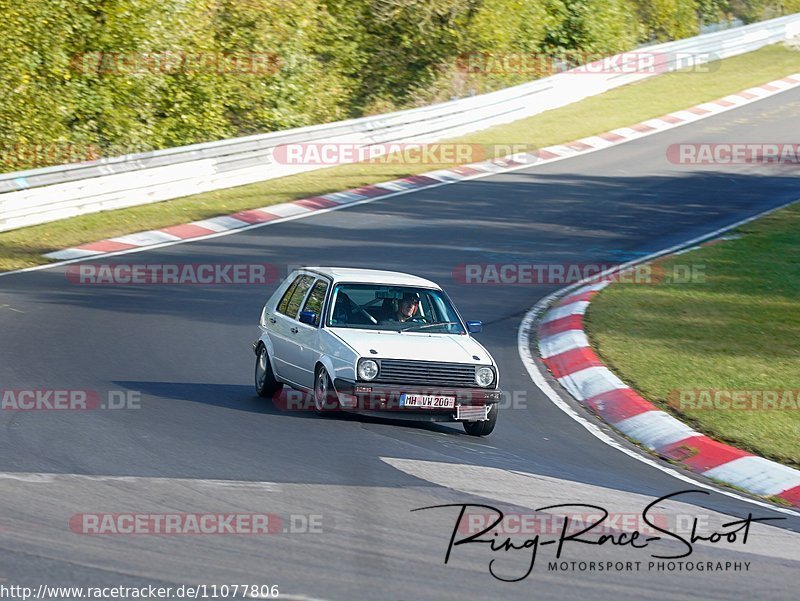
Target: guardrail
(43,195)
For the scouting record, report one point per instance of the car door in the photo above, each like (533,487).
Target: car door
(274,330)
(306,339)
(285,327)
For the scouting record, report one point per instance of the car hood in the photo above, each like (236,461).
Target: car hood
(452,348)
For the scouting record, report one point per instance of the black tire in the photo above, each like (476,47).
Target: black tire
(485,427)
(266,384)
(325,398)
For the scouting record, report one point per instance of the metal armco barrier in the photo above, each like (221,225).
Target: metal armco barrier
(43,195)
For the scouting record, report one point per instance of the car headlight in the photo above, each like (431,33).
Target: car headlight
(484,376)
(368,369)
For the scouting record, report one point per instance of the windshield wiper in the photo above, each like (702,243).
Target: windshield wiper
(423,326)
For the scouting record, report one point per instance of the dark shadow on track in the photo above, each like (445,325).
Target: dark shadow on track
(241,398)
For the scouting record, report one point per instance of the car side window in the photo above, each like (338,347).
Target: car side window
(281,308)
(293,306)
(316,299)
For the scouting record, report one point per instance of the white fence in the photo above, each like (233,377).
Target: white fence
(42,195)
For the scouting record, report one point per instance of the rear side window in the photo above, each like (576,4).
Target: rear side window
(281,308)
(301,286)
(316,298)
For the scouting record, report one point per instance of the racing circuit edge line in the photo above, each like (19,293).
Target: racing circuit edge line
(253,218)
(623,401)
(573,362)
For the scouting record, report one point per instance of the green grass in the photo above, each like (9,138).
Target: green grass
(617,108)
(737,330)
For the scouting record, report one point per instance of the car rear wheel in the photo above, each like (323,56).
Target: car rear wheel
(484,427)
(266,384)
(325,398)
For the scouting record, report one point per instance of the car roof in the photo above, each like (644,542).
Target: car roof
(372,276)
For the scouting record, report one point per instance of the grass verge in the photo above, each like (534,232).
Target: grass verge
(721,352)
(617,108)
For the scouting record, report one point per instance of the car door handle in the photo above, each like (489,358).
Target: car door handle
(272,320)
(294,330)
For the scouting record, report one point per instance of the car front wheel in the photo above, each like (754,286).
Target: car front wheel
(325,398)
(266,384)
(483,427)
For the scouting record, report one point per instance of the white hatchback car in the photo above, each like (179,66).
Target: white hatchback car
(376,342)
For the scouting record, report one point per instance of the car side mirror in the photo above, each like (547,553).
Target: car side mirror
(308,317)
(474,327)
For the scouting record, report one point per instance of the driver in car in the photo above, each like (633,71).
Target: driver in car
(407,308)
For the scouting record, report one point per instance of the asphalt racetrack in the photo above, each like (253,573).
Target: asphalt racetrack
(345,487)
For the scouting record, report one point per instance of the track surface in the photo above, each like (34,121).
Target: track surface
(186,349)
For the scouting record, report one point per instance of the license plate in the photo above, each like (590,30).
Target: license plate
(425,401)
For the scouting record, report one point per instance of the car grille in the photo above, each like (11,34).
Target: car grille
(438,373)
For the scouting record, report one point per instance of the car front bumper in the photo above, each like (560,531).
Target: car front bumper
(382,398)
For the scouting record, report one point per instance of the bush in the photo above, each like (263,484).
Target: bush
(664,20)
(750,11)
(85,78)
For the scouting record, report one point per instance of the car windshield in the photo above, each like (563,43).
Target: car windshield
(393,308)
